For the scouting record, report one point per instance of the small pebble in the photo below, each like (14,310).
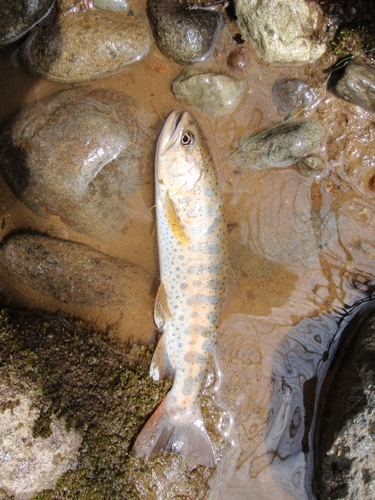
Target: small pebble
(292,93)
(310,166)
(239,58)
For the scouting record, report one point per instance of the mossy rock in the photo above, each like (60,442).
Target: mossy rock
(101,388)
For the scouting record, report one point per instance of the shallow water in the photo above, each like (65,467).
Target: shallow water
(302,252)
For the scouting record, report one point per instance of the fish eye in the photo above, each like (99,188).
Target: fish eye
(187,139)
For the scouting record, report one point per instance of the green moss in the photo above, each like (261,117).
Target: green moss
(354,40)
(101,388)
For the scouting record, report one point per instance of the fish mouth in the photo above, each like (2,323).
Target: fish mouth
(171,130)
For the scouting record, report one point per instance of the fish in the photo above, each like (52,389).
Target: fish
(194,273)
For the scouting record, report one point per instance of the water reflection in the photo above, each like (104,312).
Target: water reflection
(272,381)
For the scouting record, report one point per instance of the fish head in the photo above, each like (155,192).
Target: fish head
(182,153)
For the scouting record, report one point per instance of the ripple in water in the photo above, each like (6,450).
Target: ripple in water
(272,381)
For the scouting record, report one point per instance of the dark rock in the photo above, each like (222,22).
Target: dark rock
(19,16)
(345,455)
(288,94)
(78,154)
(279,146)
(74,273)
(186,36)
(84,46)
(356,85)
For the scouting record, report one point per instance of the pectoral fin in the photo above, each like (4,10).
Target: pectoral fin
(173,221)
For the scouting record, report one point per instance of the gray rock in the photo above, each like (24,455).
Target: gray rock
(213,93)
(83,46)
(280,30)
(74,273)
(113,5)
(19,16)
(279,146)
(28,463)
(186,36)
(357,85)
(77,5)
(77,154)
(291,93)
(345,461)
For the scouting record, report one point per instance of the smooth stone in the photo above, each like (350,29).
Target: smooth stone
(73,272)
(311,166)
(76,5)
(19,16)
(239,58)
(77,47)
(214,93)
(280,146)
(280,30)
(291,93)
(113,5)
(77,154)
(357,85)
(185,36)
(345,452)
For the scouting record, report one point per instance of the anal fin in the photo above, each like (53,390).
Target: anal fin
(161,366)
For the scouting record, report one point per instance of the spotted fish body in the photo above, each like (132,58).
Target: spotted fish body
(194,270)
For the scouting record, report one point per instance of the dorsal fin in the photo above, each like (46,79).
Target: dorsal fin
(172,219)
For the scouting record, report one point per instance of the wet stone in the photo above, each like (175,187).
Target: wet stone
(280,31)
(311,166)
(76,5)
(113,5)
(280,146)
(345,459)
(18,17)
(239,58)
(213,93)
(77,154)
(357,85)
(292,93)
(74,273)
(184,35)
(82,46)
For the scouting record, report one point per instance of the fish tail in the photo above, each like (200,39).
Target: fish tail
(186,436)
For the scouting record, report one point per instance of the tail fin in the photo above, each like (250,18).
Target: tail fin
(188,437)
